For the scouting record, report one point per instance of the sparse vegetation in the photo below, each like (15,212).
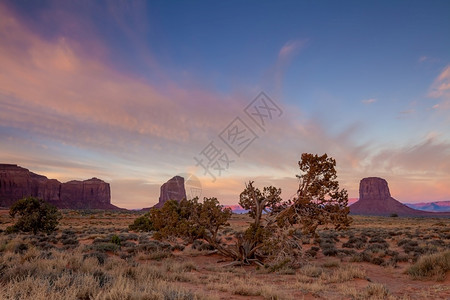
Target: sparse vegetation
(431,266)
(272,236)
(34,215)
(142,267)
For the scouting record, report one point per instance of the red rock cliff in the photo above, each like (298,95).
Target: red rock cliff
(17,182)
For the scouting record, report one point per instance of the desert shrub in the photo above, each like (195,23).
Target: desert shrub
(102,278)
(377,247)
(101,240)
(34,215)
(70,241)
(331,251)
(331,264)
(433,265)
(149,246)
(21,248)
(312,251)
(376,239)
(367,256)
(311,270)
(116,240)
(201,245)
(104,247)
(128,244)
(377,260)
(344,274)
(178,247)
(100,256)
(437,243)
(375,291)
(346,252)
(141,223)
(355,242)
(159,255)
(278,226)
(132,236)
(44,246)
(395,233)
(173,294)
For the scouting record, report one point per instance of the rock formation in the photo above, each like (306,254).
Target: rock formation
(172,190)
(375,199)
(17,182)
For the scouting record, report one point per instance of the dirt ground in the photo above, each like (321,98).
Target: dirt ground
(368,261)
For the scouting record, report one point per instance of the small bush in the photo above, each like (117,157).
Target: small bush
(312,271)
(101,257)
(115,240)
(433,265)
(34,215)
(313,251)
(141,224)
(105,247)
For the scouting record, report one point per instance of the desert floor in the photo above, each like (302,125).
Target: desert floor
(83,260)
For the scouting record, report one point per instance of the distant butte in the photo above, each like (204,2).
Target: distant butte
(173,189)
(375,199)
(17,182)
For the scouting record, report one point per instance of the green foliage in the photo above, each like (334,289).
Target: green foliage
(272,235)
(257,202)
(115,239)
(319,200)
(34,215)
(188,219)
(141,224)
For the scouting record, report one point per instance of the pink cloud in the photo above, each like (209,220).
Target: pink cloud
(369,101)
(441,89)
(291,48)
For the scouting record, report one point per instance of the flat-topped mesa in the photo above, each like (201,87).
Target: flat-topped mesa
(173,189)
(373,188)
(17,182)
(375,199)
(87,194)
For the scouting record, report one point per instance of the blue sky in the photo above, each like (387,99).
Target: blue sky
(131,91)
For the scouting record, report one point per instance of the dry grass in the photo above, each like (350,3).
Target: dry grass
(431,266)
(80,261)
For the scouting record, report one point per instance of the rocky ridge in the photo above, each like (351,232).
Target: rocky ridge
(17,182)
(173,189)
(375,199)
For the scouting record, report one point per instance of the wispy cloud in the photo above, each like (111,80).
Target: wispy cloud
(440,89)
(369,101)
(290,49)
(51,88)
(415,171)
(285,56)
(407,112)
(423,59)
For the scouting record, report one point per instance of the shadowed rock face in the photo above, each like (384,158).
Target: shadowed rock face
(17,182)
(172,190)
(373,188)
(375,199)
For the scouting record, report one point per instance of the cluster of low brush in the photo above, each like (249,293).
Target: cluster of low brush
(274,235)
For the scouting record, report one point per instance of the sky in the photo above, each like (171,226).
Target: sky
(136,92)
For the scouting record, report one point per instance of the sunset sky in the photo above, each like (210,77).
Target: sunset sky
(135,93)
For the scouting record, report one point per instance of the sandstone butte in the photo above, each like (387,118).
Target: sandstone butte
(17,182)
(375,199)
(173,189)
